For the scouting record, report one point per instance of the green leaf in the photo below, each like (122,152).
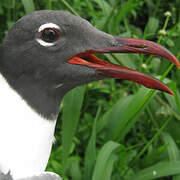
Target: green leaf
(174,101)
(90,155)
(172,148)
(103,159)
(124,11)
(109,167)
(161,169)
(112,118)
(104,6)
(9,4)
(126,60)
(152,26)
(28,6)
(72,104)
(75,173)
(132,112)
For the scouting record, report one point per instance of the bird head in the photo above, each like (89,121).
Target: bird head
(48,52)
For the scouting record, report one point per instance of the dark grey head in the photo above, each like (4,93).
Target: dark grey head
(47,53)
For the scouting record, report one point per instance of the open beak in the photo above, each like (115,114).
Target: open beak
(126,45)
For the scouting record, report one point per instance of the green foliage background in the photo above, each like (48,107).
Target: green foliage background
(116,129)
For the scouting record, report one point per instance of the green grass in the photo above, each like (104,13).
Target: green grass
(114,129)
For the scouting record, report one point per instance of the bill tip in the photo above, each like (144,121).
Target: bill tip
(170,92)
(178,65)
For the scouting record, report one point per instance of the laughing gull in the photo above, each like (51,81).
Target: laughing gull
(44,55)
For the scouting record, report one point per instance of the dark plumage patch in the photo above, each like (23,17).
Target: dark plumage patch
(35,71)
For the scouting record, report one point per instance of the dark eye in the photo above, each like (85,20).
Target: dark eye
(50,35)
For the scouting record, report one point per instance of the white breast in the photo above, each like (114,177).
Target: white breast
(25,137)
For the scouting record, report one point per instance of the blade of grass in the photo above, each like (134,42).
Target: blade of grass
(90,155)
(112,118)
(104,6)
(75,171)
(102,160)
(72,104)
(148,96)
(49,4)
(126,8)
(162,102)
(172,148)
(127,116)
(28,6)
(69,7)
(174,101)
(159,131)
(151,27)
(160,37)
(125,60)
(177,96)
(109,167)
(161,169)
(151,141)
(131,113)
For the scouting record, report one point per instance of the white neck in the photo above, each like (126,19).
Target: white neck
(25,137)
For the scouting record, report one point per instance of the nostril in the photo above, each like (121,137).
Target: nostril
(139,46)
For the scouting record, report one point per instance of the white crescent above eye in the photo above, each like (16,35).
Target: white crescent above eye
(41,28)
(48,25)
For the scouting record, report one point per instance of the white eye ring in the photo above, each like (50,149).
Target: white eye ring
(48,25)
(45,26)
(43,43)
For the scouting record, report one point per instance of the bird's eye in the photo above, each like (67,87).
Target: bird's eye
(50,35)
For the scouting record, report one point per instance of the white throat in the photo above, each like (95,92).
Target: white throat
(25,137)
